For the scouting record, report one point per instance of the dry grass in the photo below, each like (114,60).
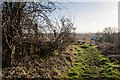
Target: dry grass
(36,67)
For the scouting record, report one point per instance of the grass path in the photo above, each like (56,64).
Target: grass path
(92,65)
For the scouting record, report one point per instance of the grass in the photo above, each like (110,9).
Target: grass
(78,62)
(92,65)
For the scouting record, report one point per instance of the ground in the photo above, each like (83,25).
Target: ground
(79,61)
(92,65)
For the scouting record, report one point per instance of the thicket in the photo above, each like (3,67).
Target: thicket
(29,28)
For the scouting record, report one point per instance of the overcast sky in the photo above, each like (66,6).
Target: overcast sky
(92,16)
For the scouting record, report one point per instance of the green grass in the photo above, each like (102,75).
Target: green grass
(92,65)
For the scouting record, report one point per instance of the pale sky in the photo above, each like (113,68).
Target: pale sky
(92,16)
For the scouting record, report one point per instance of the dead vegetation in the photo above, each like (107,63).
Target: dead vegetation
(36,67)
(29,28)
(33,43)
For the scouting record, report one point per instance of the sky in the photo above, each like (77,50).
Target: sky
(92,16)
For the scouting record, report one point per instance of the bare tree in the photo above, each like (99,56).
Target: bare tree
(28,28)
(11,16)
(109,30)
(109,34)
